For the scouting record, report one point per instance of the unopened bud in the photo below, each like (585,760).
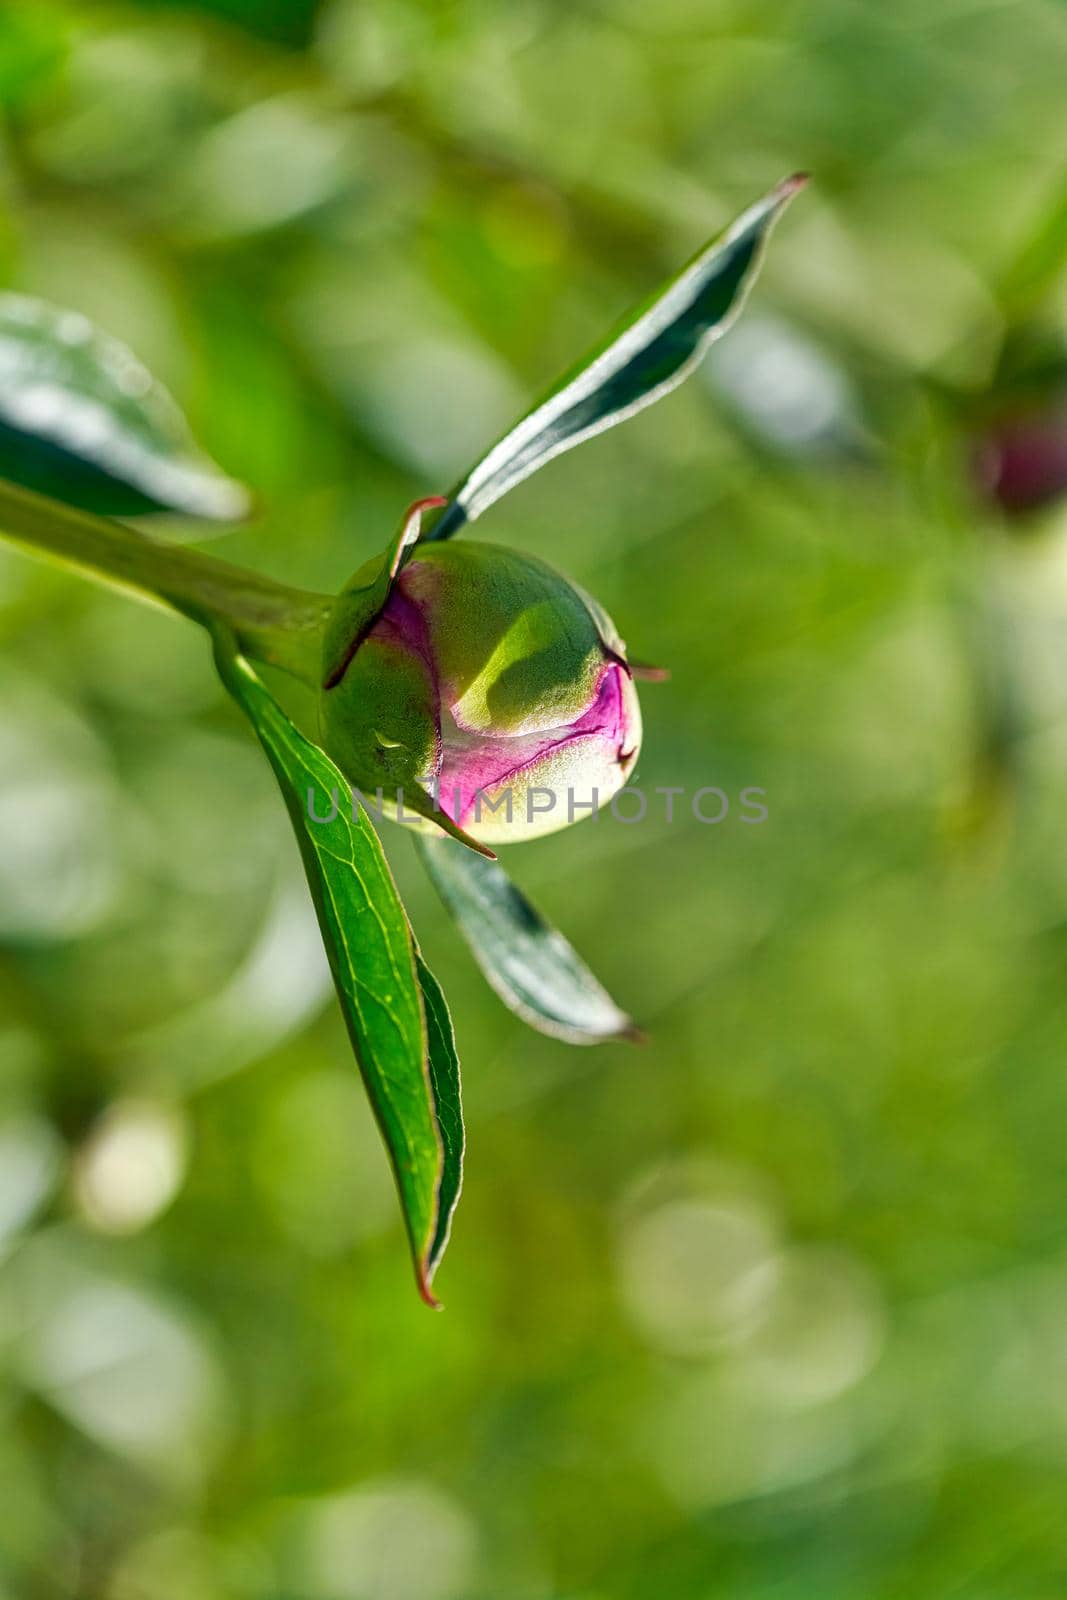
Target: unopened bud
(484,675)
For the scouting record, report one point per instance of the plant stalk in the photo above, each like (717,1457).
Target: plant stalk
(271,622)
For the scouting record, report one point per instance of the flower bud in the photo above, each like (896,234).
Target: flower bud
(486,688)
(1020,423)
(1021,461)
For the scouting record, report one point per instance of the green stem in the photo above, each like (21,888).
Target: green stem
(271,622)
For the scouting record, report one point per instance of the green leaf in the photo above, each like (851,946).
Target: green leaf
(82,420)
(530,965)
(656,347)
(444,1079)
(394,1010)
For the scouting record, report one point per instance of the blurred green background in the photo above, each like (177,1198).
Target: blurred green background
(775,1306)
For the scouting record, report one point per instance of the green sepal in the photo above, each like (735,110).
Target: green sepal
(364,596)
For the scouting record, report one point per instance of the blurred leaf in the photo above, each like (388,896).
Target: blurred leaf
(265,166)
(655,349)
(789,393)
(33,45)
(284,22)
(530,965)
(81,419)
(404,1047)
(1038,264)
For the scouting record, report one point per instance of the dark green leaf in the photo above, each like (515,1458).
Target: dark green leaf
(395,1012)
(444,1078)
(82,420)
(530,965)
(657,346)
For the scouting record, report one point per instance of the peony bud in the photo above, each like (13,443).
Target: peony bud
(494,694)
(1020,425)
(1021,461)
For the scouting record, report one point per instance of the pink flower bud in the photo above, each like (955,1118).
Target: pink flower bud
(1022,460)
(487,685)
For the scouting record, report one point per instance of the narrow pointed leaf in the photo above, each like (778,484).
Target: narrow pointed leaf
(82,420)
(444,1079)
(530,965)
(657,347)
(395,1013)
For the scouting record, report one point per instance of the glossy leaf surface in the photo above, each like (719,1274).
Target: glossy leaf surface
(444,1081)
(531,966)
(658,345)
(82,420)
(394,1010)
